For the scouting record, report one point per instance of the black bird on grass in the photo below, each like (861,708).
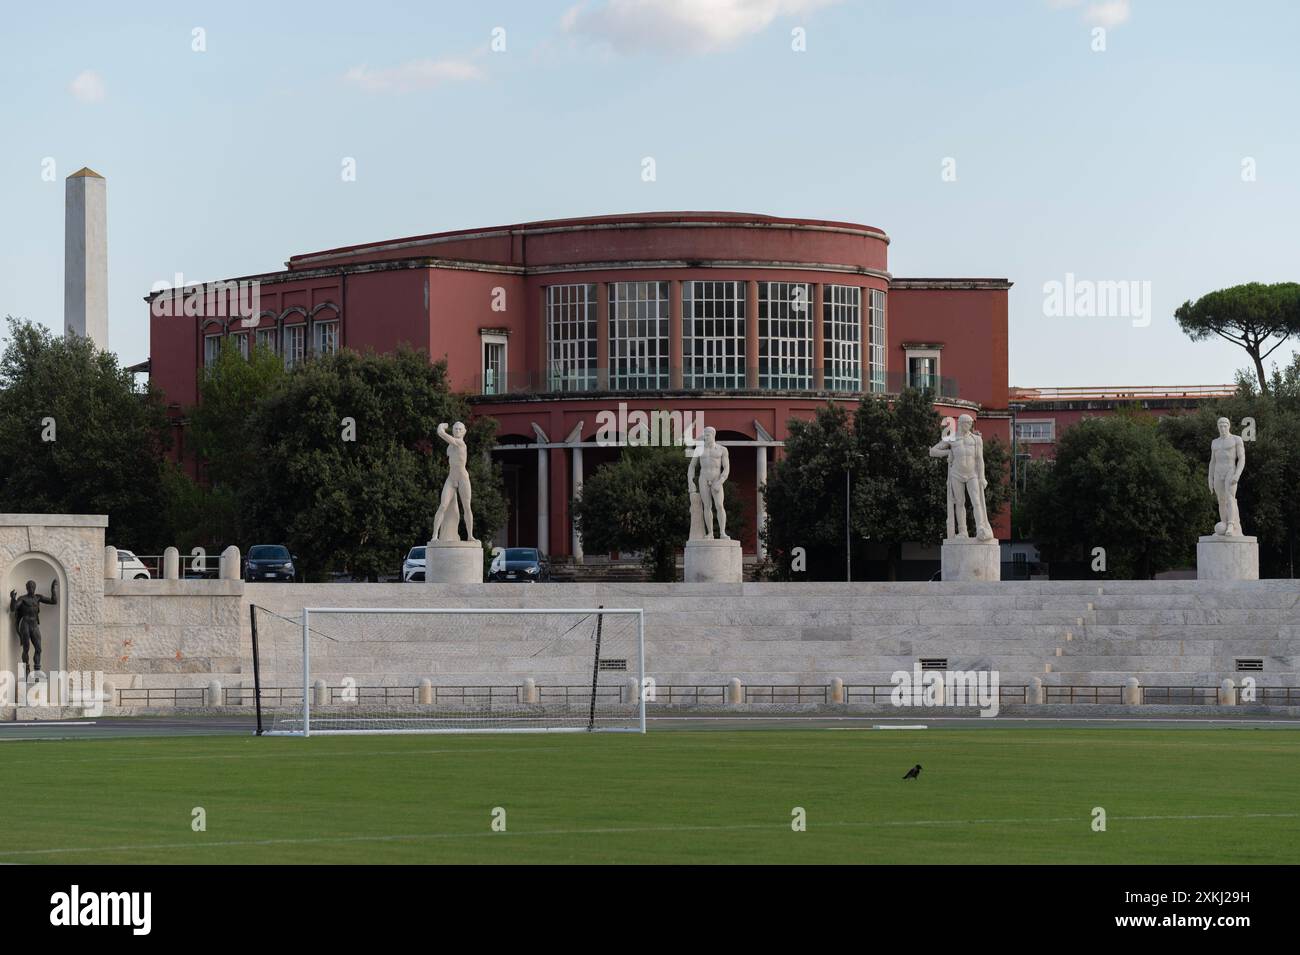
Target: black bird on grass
(914,772)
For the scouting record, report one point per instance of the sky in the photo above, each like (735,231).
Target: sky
(1008,139)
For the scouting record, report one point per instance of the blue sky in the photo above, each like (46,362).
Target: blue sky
(1124,164)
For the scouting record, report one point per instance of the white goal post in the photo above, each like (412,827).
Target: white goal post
(348,670)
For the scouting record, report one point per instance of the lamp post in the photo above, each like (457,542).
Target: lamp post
(851,457)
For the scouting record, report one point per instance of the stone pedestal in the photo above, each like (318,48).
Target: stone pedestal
(1227,558)
(710,561)
(968,558)
(453,562)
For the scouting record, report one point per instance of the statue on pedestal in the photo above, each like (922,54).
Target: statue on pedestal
(457,483)
(1227,461)
(965,453)
(27,610)
(714,465)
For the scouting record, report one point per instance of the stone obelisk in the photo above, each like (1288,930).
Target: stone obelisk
(85,257)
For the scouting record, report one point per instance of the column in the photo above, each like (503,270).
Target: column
(543,494)
(675,335)
(751,335)
(602,336)
(760,478)
(819,340)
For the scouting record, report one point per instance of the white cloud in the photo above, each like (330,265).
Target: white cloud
(1110,13)
(88,87)
(679,26)
(1101,13)
(415,75)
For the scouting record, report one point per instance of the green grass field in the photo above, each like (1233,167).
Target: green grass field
(987,795)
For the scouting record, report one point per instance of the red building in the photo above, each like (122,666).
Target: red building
(1042,414)
(747,321)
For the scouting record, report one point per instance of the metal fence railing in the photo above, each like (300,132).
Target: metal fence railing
(683,694)
(1181,695)
(1083,694)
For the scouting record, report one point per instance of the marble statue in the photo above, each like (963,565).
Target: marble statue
(1227,461)
(457,483)
(714,465)
(965,453)
(27,610)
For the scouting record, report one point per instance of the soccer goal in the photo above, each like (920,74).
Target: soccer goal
(344,670)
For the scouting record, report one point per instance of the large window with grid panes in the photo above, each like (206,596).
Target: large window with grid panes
(265,338)
(211,350)
(571,337)
(842,337)
(876,363)
(713,334)
(638,335)
(785,335)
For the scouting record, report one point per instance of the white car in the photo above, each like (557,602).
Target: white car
(131,567)
(413,566)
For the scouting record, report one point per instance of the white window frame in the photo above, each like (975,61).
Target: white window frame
(484,341)
(294,352)
(877,369)
(317,335)
(638,335)
(785,336)
(571,337)
(211,349)
(1051,430)
(935,353)
(241,342)
(267,338)
(842,338)
(713,353)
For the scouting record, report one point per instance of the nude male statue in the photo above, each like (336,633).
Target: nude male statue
(1227,461)
(714,465)
(457,480)
(965,454)
(27,609)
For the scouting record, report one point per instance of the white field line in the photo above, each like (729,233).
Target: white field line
(1081,820)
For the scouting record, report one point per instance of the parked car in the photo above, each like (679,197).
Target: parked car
(269,562)
(130,567)
(520,564)
(413,566)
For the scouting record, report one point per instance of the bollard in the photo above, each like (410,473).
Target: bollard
(426,692)
(1035,691)
(735,692)
(230,563)
(1133,692)
(171,568)
(112,571)
(1227,693)
(320,692)
(530,690)
(213,696)
(837,690)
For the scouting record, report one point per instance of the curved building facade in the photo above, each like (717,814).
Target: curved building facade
(571,331)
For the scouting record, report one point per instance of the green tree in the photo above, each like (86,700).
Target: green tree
(898,491)
(77,437)
(1249,316)
(641,502)
(209,511)
(1119,484)
(346,467)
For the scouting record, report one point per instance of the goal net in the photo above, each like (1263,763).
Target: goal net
(442,670)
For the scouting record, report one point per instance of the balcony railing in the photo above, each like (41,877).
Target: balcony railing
(600,381)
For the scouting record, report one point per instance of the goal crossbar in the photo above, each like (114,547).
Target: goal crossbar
(609,702)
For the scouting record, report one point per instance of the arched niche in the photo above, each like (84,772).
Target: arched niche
(43,569)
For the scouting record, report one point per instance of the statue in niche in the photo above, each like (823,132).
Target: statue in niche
(27,613)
